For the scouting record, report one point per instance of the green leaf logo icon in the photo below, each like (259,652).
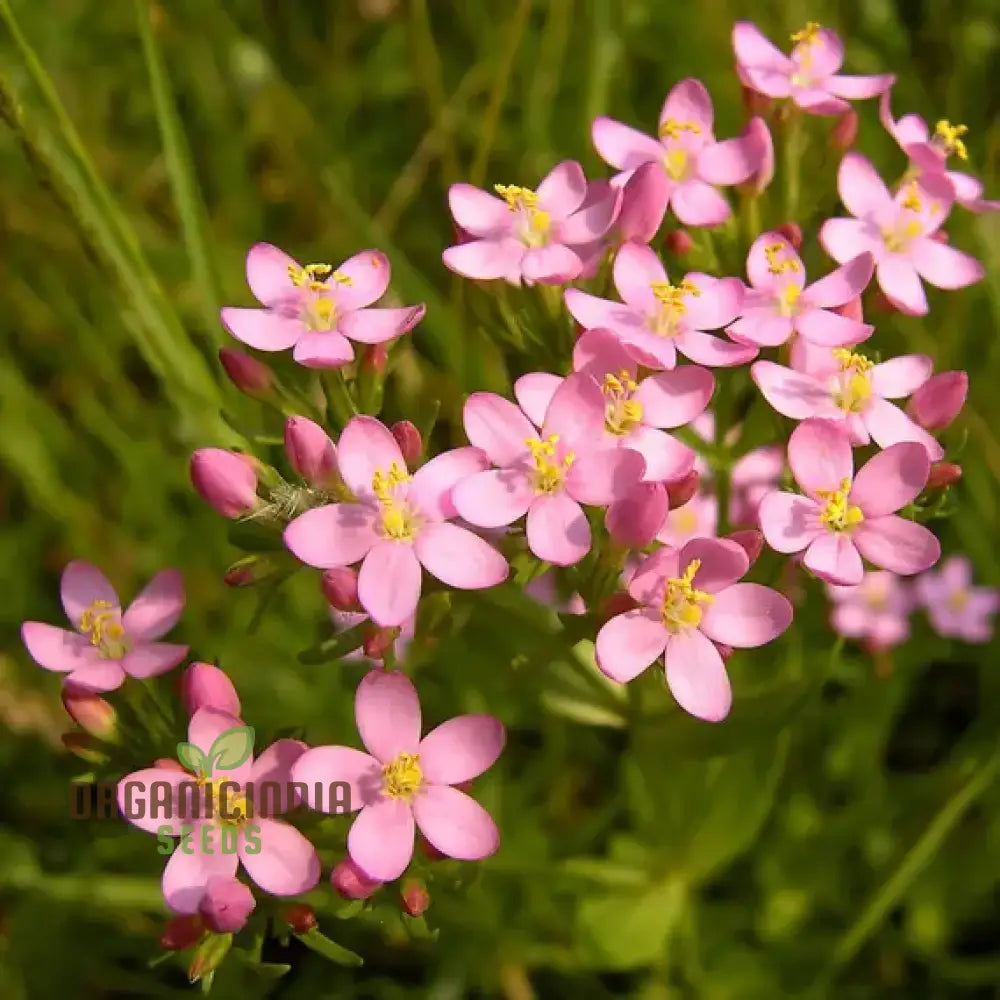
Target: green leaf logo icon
(230,749)
(190,756)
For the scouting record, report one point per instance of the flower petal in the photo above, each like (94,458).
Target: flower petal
(844,239)
(789,522)
(576,412)
(746,615)
(552,265)
(366,447)
(889,425)
(157,608)
(830,329)
(696,203)
(320,767)
(494,498)
(890,479)
(376,326)
(485,259)
(840,286)
(759,265)
(80,586)
(389,583)
(268,274)
(261,328)
(898,545)
(697,676)
(186,875)
(761,326)
(621,146)
(819,454)
(603,476)
(323,350)
(497,426)
(479,213)
(284,863)
(792,393)
(152,798)
(557,530)
(834,558)
(944,266)
(368,275)
(380,842)
(591,221)
(861,189)
(688,101)
(562,190)
(667,459)
(149,659)
(57,648)
(855,88)
(716,352)
(754,49)
(898,278)
(534,392)
(461,749)
(636,270)
(901,376)
(432,484)
(674,398)
(459,558)
(333,535)
(731,161)
(647,583)
(723,562)
(98,675)
(274,767)
(387,711)
(455,824)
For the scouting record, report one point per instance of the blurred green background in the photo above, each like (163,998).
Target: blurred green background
(841,836)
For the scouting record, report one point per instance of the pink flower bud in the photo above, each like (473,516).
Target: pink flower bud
(644,203)
(408,438)
(249,375)
(845,130)
(340,588)
(943,475)
(226,905)
(90,712)
(351,882)
(248,570)
(678,242)
(759,135)
(414,897)
(225,479)
(851,310)
(939,236)
(203,685)
(636,520)
(379,641)
(300,917)
(182,932)
(311,453)
(750,540)
(683,490)
(939,400)
(792,232)
(374,358)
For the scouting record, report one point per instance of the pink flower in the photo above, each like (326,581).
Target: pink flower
(939,400)
(405,782)
(689,602)
(275,855)
(107,645)
(809,75)
(698,518)
(317,309)
(843,517)
(876,610)
(686,152)
(542,236)
(204,685)
(400,523)
(225,479)
(929,152)
(778,303)
(845,387)
(655,320)
(899,232)
(546,476)
(956,608)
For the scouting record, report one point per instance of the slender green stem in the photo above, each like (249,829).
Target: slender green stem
(793,162)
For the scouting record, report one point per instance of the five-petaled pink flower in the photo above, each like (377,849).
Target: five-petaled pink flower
(317,309)
(956,608)
(843,517)
(689,601)
(687,153)
(845,387)
(216,811)
(546,236)
(399,523)
(107,644)
(899,233)
(809,75)
(406,783)
(656,320)
(876,610)
(548,475)
(778,303)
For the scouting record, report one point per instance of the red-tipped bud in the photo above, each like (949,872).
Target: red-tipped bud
(351,882)
(300,917)
(340,588)
(249,571)
(379,641)
(209,955)
(249,375)
(204,685)
(845,130)
(755,102)
(374,359)
(311,453)
(182,932)
(851,310)
(410,443)
(636,520)
(678,242)
(414,897)
(683,490)
(90,712)
(225,479)
(939,400)
(943,475)
(616,604)
(792,232)
(226,905)
(750,540)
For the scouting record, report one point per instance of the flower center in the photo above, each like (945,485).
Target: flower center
(838,514)
(684,521)
(676,162)
(948,138)
(399,520)
(667,321)
(549,473)
(957,600)
(898,237)
(853,386)
(319,311)
(682,602)
(622,413)
(402,778)
(806,37)
(533,224)
(788,300)
(104,628)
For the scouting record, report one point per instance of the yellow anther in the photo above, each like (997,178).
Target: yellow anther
(950,138)
(616,385)
(776,266)
(548,474)
(911,199)
(671,298)
(385,483)
(789,299)
(225,802)
(675,162)
(104,628)
(398,520)
(315,277)
(402,777)
(672,128)
(622,413)
(838,513)
(848,359)
(808,35)
(524,200)
(682,602)
(516,197)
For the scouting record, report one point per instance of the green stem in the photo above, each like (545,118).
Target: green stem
(793,162)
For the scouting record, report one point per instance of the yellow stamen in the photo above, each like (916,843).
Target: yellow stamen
(524,200)
(548,474)
(622,413)
(675,162)
(105,630)
(682,602)
(672,128)
(403,777)
(838,513)
(950,136)
(320,314)
(671,299)
(853,394)
(398,519)
(911,200)
(776,266)
(809,35)
(788,301)
(228,804)
(316,277)
(848,359)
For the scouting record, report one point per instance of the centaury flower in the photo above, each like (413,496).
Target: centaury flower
(956,607)
(877,610)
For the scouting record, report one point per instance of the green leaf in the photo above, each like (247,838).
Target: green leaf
(588,713)
(190,756)
(322,945)
(337,646)
(231,748)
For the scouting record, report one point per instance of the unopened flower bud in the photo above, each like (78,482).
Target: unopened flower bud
(90,712)
(852,310)
(759,139)
(351,882)
(209,955)
(182,932)
(792,232)
(845,130)
(340,588)
(678,242)
(408,438)
(226,905)
(939,400)
(939,236)
(379,641)
(683,490)
(943,475)
(204,685)
(225,479)
(414,897)
(374,359)
(300,917)
(250,570)
(750,540)
(86,747)
(249,375)
(635,520)
(311,453)
(644,203)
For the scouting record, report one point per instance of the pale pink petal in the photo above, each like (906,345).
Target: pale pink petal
(333,535)
(376,326)
(368,273)
(889,425)
(534,392)
(455,824)
(731,161)
(898,278)
(772,83)
(667,459)
(636,520)
(576,412)
(746,615)
(389,583)
(600,352)
(602,476)
(761,326)
(944,266)
(819,454)
(461,749)
(753,49)
(153,658)
(719,302)
(688,101)
(157,608)
(557,530)
(366,447)
(716,352)
(387,711)
(674,398)
(833,557)
(821,56)
(262,328)
(98,675)
(722,560)
(380,842)
(890,479)
(844,239)
(319,767)
(647,582)
(792,393)
(901,376)
(432,484)
(855,88)
(268,274)
(590,312)
(552,265)
(759,266)
(57,648)
(647,349)
(861,189)
(494,498)
(627,644)
(622,146)
(818,102)
(479,213)
(845,283)
(697,676)
(636,270)
(562,190)
(80,586)
(593,219)
(285,864)
(186,875)
(274,768)
(149,807)
(898,545)
(485,259)
(696,203)
(830,329)
(323,350)
(497,426)
(205,726)
(789,522)
(459,558)
(645,198)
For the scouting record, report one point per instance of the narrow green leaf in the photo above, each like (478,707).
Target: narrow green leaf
(322,945)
